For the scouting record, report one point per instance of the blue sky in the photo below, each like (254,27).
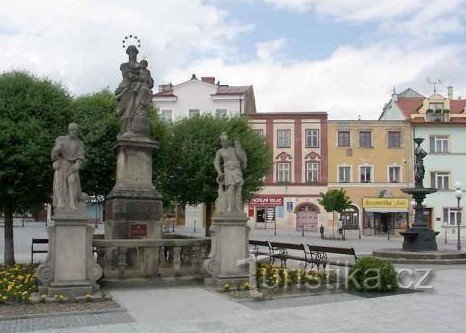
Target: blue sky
(309,36)
(343,57)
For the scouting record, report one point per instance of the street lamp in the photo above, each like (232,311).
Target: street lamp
(458,195)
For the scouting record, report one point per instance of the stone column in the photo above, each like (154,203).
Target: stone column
(70,268)
(227,261)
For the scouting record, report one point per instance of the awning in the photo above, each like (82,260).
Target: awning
(386,210)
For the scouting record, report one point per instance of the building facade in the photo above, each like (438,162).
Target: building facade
(288,200)
(197,97)
(372,161)
(441,121)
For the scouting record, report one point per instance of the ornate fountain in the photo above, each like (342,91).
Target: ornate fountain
(419,237)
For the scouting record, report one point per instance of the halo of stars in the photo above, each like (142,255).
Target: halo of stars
(131,39)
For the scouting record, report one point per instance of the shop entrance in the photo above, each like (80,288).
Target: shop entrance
(307,217)
(265,217)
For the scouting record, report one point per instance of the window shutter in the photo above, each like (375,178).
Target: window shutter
(432,144)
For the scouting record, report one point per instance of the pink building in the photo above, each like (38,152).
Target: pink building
(288,200)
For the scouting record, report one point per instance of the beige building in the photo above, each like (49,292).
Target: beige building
(372,160)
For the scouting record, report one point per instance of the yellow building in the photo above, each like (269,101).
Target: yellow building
(372,160)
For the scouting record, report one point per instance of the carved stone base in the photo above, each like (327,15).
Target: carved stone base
(417,240)
(228,258)
(70,268)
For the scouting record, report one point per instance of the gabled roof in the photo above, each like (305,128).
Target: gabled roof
(457,105)
(409,105)
(410,93)
(168,93)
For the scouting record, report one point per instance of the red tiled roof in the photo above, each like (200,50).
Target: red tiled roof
(409,105)
(232,90)
(457,105)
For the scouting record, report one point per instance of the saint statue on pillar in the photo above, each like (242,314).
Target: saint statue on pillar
(229,162)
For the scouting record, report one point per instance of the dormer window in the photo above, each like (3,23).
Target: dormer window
(436,113)
(436,107)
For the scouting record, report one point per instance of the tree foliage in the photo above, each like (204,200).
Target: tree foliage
(191,176)
(335,200)
(33,112)
(98,128)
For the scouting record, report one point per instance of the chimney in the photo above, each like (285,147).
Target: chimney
(193,77)
(165,87)
(208,79)
(450,92)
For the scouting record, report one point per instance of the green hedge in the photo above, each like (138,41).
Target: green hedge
(373,275)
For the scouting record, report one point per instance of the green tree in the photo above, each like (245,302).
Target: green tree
(33,111)
(191,176)
(335,201)
(98,128)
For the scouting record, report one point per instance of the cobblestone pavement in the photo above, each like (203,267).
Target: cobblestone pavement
(58,323)
(194,309)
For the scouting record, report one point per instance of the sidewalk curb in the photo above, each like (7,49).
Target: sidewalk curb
(61,314)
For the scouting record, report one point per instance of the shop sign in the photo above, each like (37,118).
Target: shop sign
(267,200)
(270,214)
(385,203)
(289,206)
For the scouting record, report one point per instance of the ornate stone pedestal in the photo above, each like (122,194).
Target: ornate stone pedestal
(228,258)
(70,268)
(134,209)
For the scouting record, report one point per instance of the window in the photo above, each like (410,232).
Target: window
(283,172)
(440,180)
(193,113)
(451,216)
(439,144)
(312,172)
(436,106)
(394,174)
(343,139)
(222,113)
(394,139)
(312,138)
(167,115)
(344,174)
(258,131)
(283,138)
(366,174)
(365,139)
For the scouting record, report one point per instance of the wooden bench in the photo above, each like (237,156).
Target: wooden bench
(258,247)
(34,248)
(319,253)
(311,254)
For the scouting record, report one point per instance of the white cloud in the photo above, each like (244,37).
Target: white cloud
(350,82)
(266,50)
(419,18)
(79,42)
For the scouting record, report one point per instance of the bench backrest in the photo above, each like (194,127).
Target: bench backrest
(259,243)
(288,246)
(330,249)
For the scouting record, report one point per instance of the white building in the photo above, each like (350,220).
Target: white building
(198,97)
